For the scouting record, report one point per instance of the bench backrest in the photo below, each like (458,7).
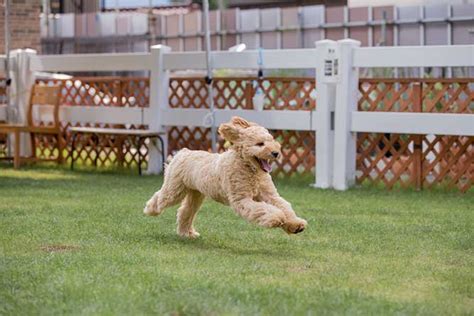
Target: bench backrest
(42,95)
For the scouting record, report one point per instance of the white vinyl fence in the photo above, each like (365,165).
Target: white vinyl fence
(335,122)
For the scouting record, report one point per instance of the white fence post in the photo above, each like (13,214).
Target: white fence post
(326,78)
(22,82)
(159,86)
(346,102)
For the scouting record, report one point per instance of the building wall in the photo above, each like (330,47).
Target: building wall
(269,28)
(364,3)
(247,4)
(24,25)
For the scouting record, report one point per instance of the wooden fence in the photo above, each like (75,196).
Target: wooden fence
(416,160)
(390,159)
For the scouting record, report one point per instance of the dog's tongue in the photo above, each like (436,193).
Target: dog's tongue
(266,166)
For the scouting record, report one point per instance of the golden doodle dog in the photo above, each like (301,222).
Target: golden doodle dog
(239,177)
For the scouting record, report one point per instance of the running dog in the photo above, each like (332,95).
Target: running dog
(239,177)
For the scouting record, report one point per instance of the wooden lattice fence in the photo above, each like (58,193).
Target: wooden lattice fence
(231,93)
(416,160)
(106,92)
(296,94)
(390,159)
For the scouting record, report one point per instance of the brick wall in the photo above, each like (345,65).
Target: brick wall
(24,25)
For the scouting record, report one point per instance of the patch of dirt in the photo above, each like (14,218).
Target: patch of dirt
(59,248)
(297,269)
(303,268)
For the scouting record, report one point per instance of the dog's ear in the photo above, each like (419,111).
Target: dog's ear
(230,132)
(240,122)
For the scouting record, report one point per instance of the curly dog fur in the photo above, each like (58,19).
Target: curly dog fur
(238,177)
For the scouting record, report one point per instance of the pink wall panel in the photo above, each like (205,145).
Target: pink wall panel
(172,29)
(360,33)
(358,14)
(213,24)
(378,15)
(409,35)
(436,34)
(158,28)
(80,25)
(123,24)
(462,34)
(228,41)
(289,17)
(92,25)
(229,23)
(269,19)
(312,16)
(463,31)
(310,37)
(250,22)
(191,25)
(229,20)
(335,34)
(269,40)
(334,14)
(174,44)
(172,25)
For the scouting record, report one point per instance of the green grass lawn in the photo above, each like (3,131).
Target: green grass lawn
(77,243)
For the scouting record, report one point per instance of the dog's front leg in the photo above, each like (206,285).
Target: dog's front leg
(293,224)
(263,214)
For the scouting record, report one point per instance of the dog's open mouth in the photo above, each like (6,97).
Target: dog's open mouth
(264,164)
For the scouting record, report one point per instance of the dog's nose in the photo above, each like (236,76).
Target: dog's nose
(275,154)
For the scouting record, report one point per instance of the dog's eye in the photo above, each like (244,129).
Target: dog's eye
(260,144)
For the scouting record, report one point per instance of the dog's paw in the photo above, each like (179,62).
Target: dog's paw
(192,234)
(150,209)
(295,226)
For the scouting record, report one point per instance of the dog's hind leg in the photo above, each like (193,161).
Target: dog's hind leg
(171,193)
(187,213)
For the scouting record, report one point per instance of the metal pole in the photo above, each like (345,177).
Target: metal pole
(209,75)
(7,59)
(10,114)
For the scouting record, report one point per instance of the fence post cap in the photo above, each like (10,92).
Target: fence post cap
(20,51)
(349,42)
(325,42)
(161,47)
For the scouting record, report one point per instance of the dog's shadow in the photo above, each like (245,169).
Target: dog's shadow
(210,244)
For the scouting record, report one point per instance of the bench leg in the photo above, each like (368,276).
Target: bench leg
(139,146)
(119,145)
(60,148)
(95,139)
(16,155)
(33,145)
(73,148)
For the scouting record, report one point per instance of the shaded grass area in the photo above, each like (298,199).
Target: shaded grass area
(77,243)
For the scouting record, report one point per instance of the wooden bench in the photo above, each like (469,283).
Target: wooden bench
(139,135)
(40,96)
